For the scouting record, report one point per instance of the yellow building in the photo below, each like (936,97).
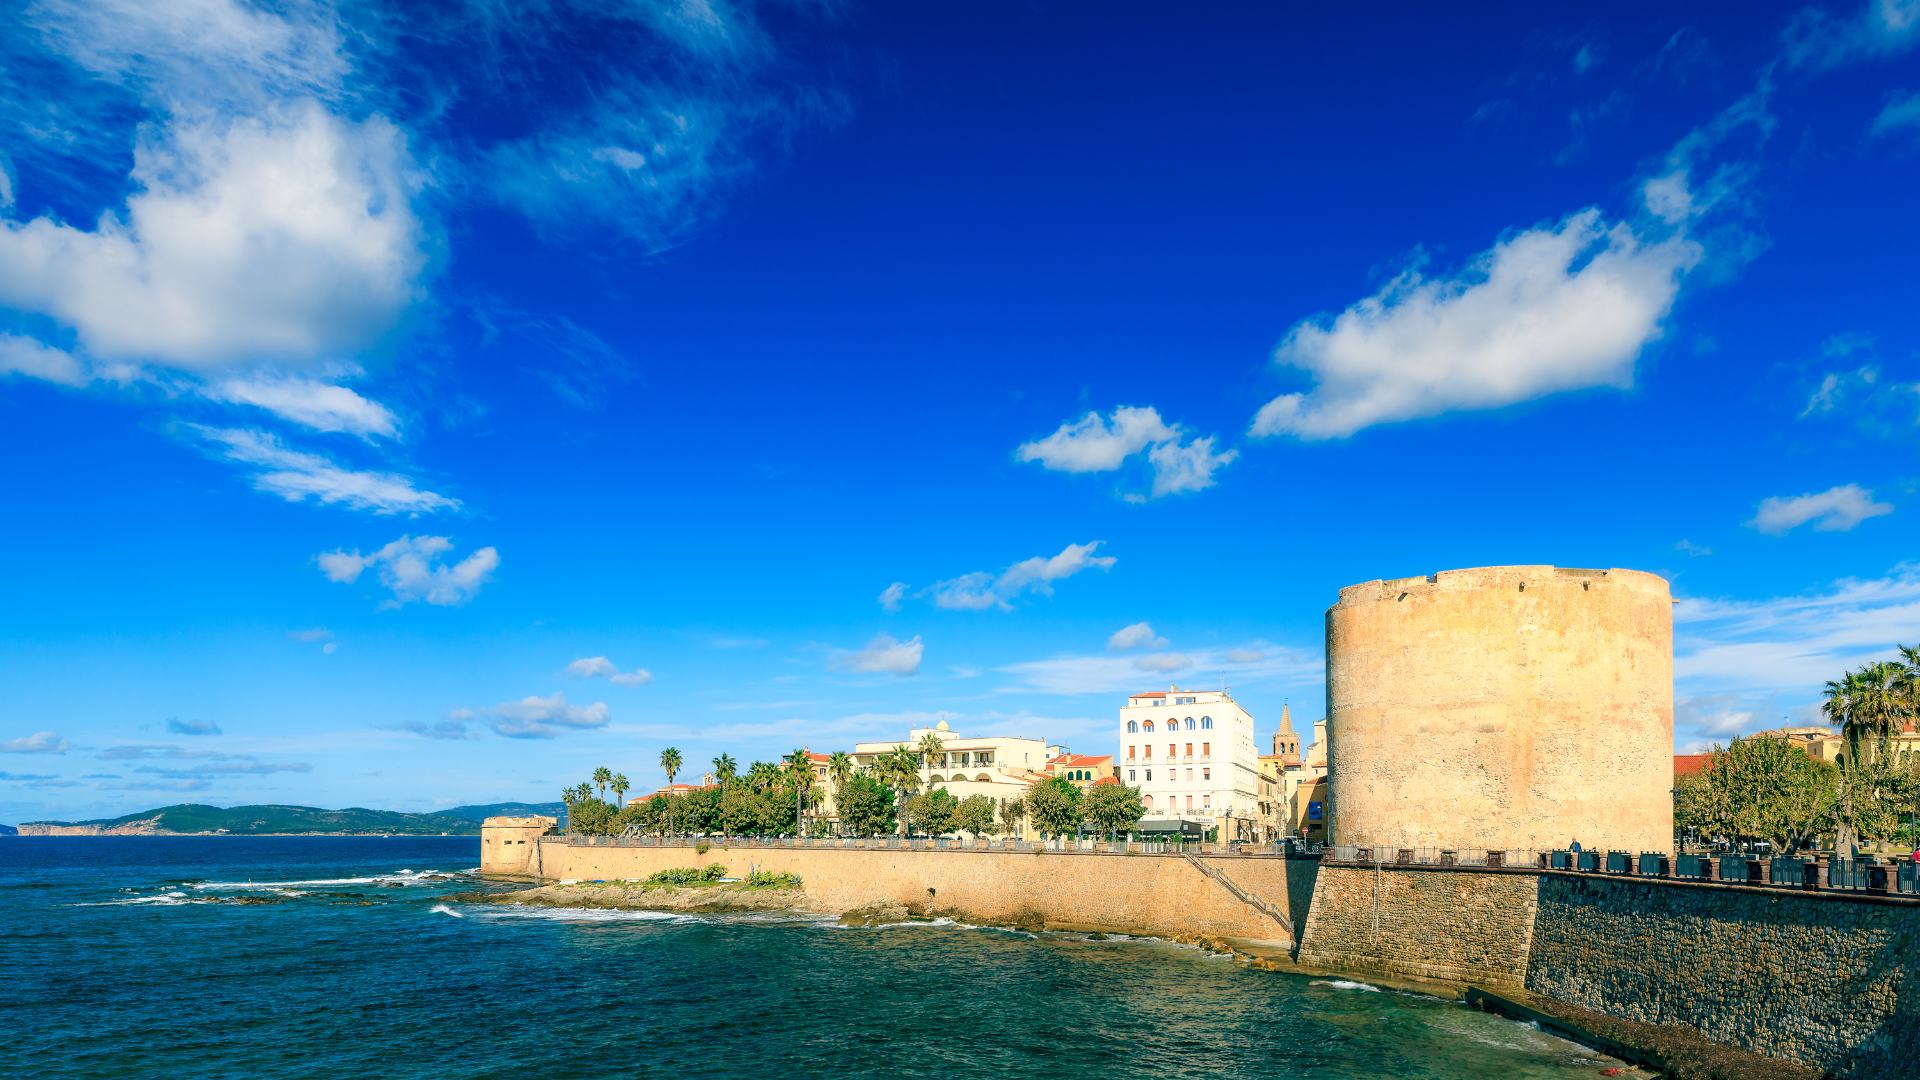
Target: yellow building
(1000,767)
(1083,770)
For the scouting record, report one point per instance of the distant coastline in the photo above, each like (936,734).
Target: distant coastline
(194,819)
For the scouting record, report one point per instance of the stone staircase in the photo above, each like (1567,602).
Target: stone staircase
(1245,896)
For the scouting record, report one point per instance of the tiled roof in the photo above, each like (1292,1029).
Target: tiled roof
(1689,764)
(1080,761)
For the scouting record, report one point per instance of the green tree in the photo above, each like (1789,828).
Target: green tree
(899,769)
(764,776)
(975,815)
(740,810)
(620,788)
(931,812)
(1053,805)
(724,768)
(1012,813)
(1114,807)
(932,751)
(670,764)
(866,805)
(593,817)
(1761,788)
(602,776)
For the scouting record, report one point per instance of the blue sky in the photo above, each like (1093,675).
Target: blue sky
(406,411)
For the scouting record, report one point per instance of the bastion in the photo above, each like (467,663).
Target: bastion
(1505,708)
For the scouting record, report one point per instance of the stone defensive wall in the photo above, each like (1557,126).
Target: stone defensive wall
(1154,894)
(1824,979)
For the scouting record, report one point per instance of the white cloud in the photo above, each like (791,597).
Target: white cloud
(318,405)
(1902,111)
(1877,29)
(1163,662)
(545,717)
(1091,444)
(1253,662)
(286,237)
(411,569)
(891,596)
(25,356)
(981,590)
(599,667)
(883,655)
(1836,509)
(1795,642)
(177,726)
(1182,467)
(296,475)
(1138,635)
(40,742)
(1179,463)
(1558,307)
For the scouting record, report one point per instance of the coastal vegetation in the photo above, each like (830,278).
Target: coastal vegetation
(789,798)
(1765,788)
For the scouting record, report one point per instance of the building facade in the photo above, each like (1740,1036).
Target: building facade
(1082,770)
(1191,754)
(1000,767)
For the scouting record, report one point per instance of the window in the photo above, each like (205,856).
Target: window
(1189,802)
(1173,749)
(1148,726)
(1189,749)
(1189,774)
(1206,774)
(1129,753)
(1146,801)
(1149,754)
(1129,775)
(1132,726)
(1189,723)
(1149,774)
(1206,801)
(1206,723)
(1206,749)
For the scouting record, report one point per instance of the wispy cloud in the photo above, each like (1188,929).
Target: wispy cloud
(546,717)
(1253,662)
(40,742)
(452,727)
(980,590)
(192,764)
(892,595)
(599,667)
(297,476)
(177,726)
(1837,509)
(1901,113)
(321,406)
(411,569)
(884,655)
(1794,642)
(1872,30)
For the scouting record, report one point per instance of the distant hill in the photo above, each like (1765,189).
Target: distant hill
(8,830)
(483,811)
(258,821)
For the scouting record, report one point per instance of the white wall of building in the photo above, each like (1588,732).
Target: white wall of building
(1192,755)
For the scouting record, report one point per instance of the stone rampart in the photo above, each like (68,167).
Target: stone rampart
(1450,926)
(1138,893)
(1833,982)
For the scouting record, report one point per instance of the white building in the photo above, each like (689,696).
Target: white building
(1000,767)
(1191,754)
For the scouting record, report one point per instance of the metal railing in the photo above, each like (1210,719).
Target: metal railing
(1866,876)
(1093,845)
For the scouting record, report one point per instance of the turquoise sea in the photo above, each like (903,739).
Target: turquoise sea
(341,957)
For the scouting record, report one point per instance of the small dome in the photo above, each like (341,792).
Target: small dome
(942,726)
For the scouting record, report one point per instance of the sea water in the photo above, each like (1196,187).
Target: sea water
(343,957)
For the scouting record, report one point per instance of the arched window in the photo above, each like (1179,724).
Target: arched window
(1131,726)
(1189,723)
(1147,726)
(1206,722)
(1147,800)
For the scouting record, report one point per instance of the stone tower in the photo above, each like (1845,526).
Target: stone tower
(1286,744)
(1507,707)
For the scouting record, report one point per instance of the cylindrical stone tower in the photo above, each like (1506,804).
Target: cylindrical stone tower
(1508,707)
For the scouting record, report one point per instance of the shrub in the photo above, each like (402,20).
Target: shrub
(767,879)
(682,876)
(702,848)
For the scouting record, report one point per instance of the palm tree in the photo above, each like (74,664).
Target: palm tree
(839,770)
(800,769)
(670,764)
(620,787)
(900,770)
(1870,707)
(602,776)
(724,768)
(931,750)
